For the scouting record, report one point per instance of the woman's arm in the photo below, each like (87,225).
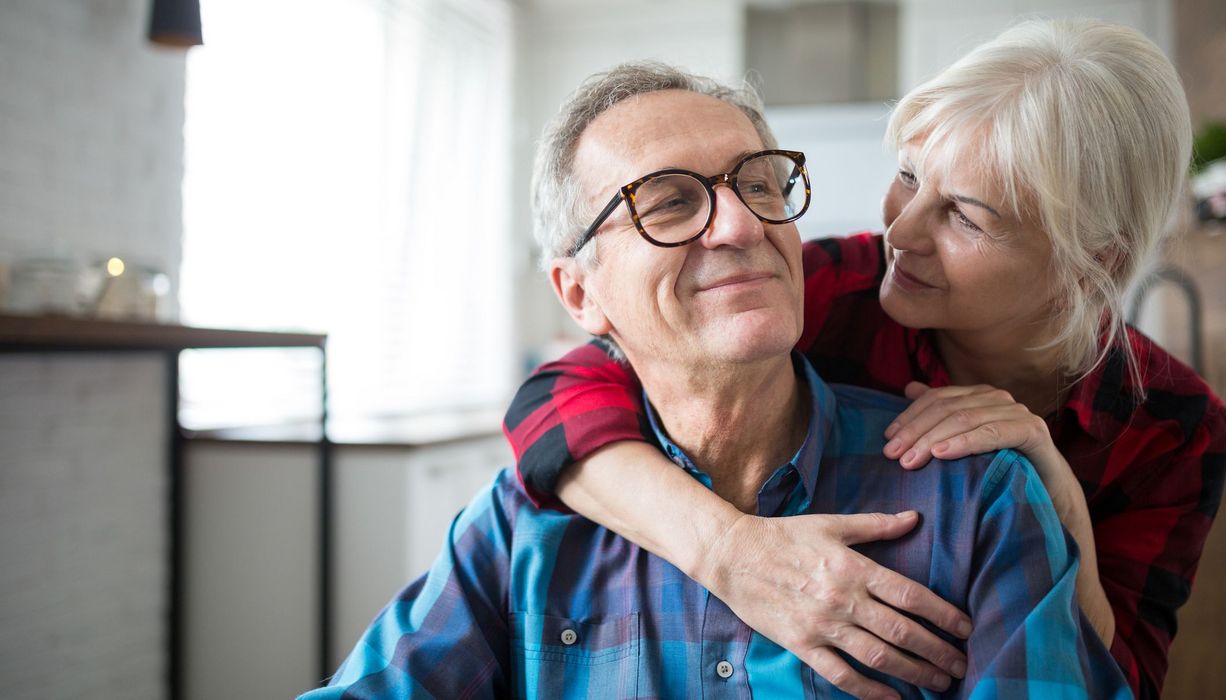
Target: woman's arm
(568,409)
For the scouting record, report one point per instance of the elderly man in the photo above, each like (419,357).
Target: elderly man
(665,214)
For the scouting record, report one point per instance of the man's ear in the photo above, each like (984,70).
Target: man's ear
(570,282)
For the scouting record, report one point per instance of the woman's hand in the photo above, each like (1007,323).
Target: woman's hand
(796,581)
(953,422)
(956,421)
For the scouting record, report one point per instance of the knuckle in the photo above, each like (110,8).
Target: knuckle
(832,601)
(908,597)
(905,434)
(991,431)
(877,656)
(879,521)
(963,417)
(793,638)
(1003,396)
(828,631)
(1039,425)
(840,677)
(899,633)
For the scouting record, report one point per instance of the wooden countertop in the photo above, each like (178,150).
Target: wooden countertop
(19,332)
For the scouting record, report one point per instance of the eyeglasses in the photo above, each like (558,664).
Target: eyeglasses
(673,207)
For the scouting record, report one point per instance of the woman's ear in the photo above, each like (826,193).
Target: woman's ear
(571,282)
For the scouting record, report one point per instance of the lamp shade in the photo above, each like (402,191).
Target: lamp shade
(176,23)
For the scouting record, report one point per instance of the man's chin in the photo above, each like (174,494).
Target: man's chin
(752,338)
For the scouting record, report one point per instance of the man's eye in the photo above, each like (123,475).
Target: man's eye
(757,187)
(665,205)
(907,178)
(668,207)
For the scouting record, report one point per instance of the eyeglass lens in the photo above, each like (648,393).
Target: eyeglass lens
(673,208)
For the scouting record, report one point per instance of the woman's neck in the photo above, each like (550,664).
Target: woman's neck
(1035,378)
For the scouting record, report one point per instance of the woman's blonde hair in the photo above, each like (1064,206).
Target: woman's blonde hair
(1086,126)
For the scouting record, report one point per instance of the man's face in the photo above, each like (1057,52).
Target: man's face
(732,296)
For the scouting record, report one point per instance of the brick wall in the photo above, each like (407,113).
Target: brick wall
(82,541)
(91,132)
(91,121)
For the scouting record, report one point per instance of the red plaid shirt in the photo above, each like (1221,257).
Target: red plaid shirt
(1152,472)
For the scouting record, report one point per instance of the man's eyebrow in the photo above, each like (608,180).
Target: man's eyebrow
(971,200)
(741,156)
(730,164)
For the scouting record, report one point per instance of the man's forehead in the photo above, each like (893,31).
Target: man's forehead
(668,128)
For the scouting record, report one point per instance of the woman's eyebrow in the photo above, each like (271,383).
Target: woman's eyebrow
(971,200)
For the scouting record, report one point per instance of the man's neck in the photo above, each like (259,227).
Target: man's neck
(737,424)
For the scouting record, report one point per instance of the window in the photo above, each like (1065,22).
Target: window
(347,171)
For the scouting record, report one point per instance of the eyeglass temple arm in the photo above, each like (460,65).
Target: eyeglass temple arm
(787,191)
(600,219)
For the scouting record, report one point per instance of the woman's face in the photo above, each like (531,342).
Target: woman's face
(958,258)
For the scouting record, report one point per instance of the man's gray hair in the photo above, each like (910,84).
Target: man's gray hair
(559,213)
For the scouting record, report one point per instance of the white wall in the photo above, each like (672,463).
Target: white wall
(90,164)
(849,167)
(561,42)
(935,33)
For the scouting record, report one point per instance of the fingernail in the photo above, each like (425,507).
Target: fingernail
(940,446)
(959,669)
(940,681)
(892,446)
(911,456)
(889,431)
(905,515)
(964,629)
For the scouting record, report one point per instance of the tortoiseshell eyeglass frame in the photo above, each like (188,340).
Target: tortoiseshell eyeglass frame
(626,194)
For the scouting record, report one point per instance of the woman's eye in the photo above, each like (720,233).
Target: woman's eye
(907,178)
(964,220)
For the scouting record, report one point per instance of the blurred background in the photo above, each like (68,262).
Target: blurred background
(173,522)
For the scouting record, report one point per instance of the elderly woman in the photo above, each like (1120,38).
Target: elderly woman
(1035,176)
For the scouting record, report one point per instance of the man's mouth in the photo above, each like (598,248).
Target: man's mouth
(731,281)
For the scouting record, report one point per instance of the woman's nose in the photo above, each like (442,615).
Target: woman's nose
(732,224)
(907,217)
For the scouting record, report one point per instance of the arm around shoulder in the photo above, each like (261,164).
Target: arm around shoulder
(567,410)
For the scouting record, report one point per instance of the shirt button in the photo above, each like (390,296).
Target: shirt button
(723,669)
(569,637)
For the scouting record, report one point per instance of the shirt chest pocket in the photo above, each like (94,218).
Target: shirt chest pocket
(558,657)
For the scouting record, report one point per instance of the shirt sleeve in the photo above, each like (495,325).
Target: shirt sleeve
(567,410)
(446,634)
(1030,638)
(1148,552)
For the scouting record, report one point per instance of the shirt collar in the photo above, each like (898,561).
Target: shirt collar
(805,462)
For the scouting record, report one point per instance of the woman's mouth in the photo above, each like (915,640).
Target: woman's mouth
(906,281)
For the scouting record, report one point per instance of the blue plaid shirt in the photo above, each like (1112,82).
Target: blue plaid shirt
(540,604)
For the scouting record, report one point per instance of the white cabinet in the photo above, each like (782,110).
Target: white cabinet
(253,559)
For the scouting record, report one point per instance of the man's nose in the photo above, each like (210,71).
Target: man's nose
(733,224)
